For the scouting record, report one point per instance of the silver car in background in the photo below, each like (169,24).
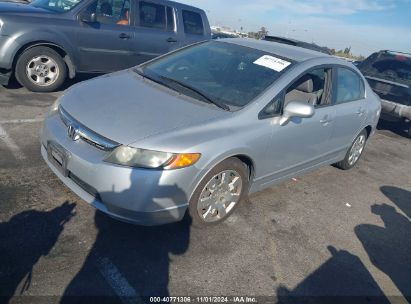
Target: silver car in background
(200,128)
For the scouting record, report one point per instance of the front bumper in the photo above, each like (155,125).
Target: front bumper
(141,196)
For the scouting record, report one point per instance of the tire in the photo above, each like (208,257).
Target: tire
(48,70)
(233,168)
(347,163)
(409,130)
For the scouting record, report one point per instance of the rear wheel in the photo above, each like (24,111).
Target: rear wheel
(219,193)
(41,69)
(355,152)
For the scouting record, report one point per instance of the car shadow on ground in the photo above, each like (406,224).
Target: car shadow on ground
(127,262)
(398,128)
(24,239)
(344,278)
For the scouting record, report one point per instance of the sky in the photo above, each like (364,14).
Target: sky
(364,25)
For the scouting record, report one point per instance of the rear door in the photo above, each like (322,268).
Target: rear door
(106,45)
(155,30)
(350,107)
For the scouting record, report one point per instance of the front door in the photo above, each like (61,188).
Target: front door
(106,45)
(303,142)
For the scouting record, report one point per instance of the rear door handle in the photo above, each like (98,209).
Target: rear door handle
(124,36)
(171,39)
(360,112)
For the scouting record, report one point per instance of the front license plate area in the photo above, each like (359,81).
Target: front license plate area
(58,157)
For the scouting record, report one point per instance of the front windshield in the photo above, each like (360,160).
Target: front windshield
(57,6)
(225,73)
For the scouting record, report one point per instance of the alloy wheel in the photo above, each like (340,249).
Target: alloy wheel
(219,196)
(356,150)
(42,70)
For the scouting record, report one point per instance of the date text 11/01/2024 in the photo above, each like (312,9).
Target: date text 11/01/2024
(235,299)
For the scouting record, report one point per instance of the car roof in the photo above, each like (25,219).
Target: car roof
(295,42)
(294,53)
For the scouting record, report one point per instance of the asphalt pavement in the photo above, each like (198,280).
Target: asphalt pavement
(328,233)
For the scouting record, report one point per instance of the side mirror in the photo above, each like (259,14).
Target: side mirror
(296,109)
(88,18)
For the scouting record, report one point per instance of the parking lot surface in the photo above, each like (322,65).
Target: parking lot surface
(328,233)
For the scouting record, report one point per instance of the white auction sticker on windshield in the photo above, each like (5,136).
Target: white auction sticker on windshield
(273,63)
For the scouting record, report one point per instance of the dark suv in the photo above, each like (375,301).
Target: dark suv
(389,75)
(45,42)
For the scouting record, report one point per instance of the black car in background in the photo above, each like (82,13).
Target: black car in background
(389,75)
(294,42)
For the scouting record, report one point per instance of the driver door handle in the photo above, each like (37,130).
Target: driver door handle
(124,36)
(171,39)
(325,121)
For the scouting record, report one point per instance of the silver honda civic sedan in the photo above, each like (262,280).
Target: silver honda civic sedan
(198,129)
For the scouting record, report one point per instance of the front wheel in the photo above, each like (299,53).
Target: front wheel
(354,153)
(219,193)
(41,69)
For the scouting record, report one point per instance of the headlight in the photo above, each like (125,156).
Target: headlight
(133,157)
(55,106)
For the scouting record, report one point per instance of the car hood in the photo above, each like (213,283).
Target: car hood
(126,108)
(21,8)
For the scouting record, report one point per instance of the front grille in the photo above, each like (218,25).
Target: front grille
(85,134)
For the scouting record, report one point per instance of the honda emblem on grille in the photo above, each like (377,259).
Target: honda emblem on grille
(73,133)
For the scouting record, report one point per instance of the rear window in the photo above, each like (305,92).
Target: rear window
(394,69)
(390,66)
(193,23)
(350,86)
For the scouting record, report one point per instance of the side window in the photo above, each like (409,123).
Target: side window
(273,108)
(310,88)
(152,15)
(350,86)
(193,23)
(112,11)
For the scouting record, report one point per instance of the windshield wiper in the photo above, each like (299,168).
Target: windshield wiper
(197,92)
(204,97)
(140,72)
